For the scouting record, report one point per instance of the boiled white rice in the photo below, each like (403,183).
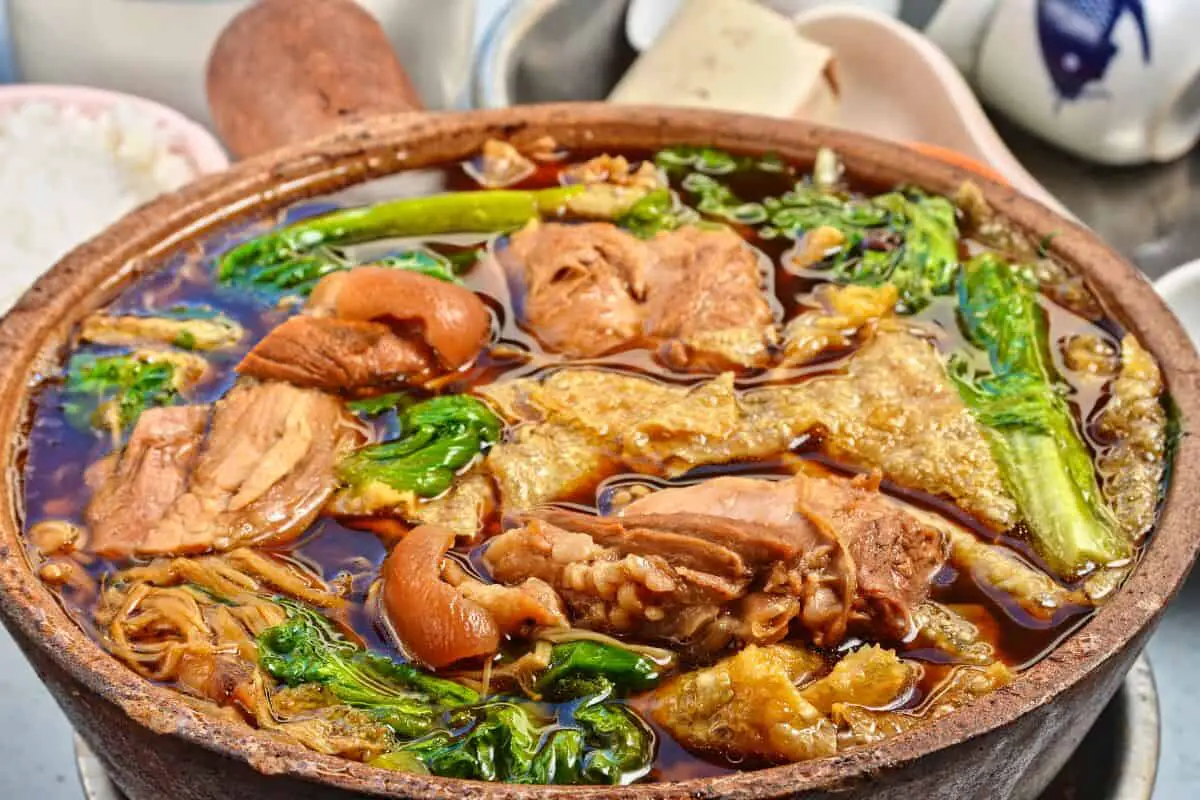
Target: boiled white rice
(66,174)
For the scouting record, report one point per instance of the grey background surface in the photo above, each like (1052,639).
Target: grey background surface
(1151,214)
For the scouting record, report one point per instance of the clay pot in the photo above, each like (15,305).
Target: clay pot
(1005,745)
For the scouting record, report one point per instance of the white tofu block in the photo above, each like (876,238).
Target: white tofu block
(734,55)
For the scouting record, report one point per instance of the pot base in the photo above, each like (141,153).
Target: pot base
(1126,737)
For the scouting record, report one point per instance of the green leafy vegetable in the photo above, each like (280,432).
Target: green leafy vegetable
(595,665)
(112,391)
(1019,400)
(603,743)
(307,649)
(622,745)
(718,200)
(711,161)
(295,257)
(559,760)
(437,438)
(925,263)
(498,742)
(422,262)
(906,238)
(288,276)
(806,208)
(374,406)
(657,211)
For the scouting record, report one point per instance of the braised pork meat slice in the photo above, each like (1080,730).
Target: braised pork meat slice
(705,301)
(441,615)
(895,555)
(261,475)
(335,354)
(697,580)
(587,290)
(266,470)
(581,285)
(135,488)
(371,328)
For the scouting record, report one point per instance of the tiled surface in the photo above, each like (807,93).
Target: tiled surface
(1152,215)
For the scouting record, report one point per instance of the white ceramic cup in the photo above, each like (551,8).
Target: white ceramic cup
(1113,81)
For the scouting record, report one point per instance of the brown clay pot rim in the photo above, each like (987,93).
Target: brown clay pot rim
(33,333)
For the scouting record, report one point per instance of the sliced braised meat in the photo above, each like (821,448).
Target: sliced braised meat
(588,290)
(451,320)
(134,489)
(372,328)
(336,354)
(895,555)
(694,579)
(262,474)
(582,285)
(705,301)
(749,499)
(441,615)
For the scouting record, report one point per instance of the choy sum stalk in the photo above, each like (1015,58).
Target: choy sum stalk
(1029,426)
(296,256)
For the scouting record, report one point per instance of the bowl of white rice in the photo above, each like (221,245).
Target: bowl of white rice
(73,160)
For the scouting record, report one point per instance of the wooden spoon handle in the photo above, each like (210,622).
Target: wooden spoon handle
(287,70)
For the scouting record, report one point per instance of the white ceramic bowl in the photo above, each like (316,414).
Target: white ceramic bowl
(1180,288)
(185,137)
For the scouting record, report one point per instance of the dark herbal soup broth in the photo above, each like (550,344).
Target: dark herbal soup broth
(1084,363)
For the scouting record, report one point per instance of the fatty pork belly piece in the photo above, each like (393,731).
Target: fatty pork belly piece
(372,328)
(588,290)
(440,614)
(692,579)
(263,472)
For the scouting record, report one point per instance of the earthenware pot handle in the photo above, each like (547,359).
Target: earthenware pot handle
(287,70)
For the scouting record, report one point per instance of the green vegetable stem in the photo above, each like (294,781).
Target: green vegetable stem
(1019,401)
(298,255)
